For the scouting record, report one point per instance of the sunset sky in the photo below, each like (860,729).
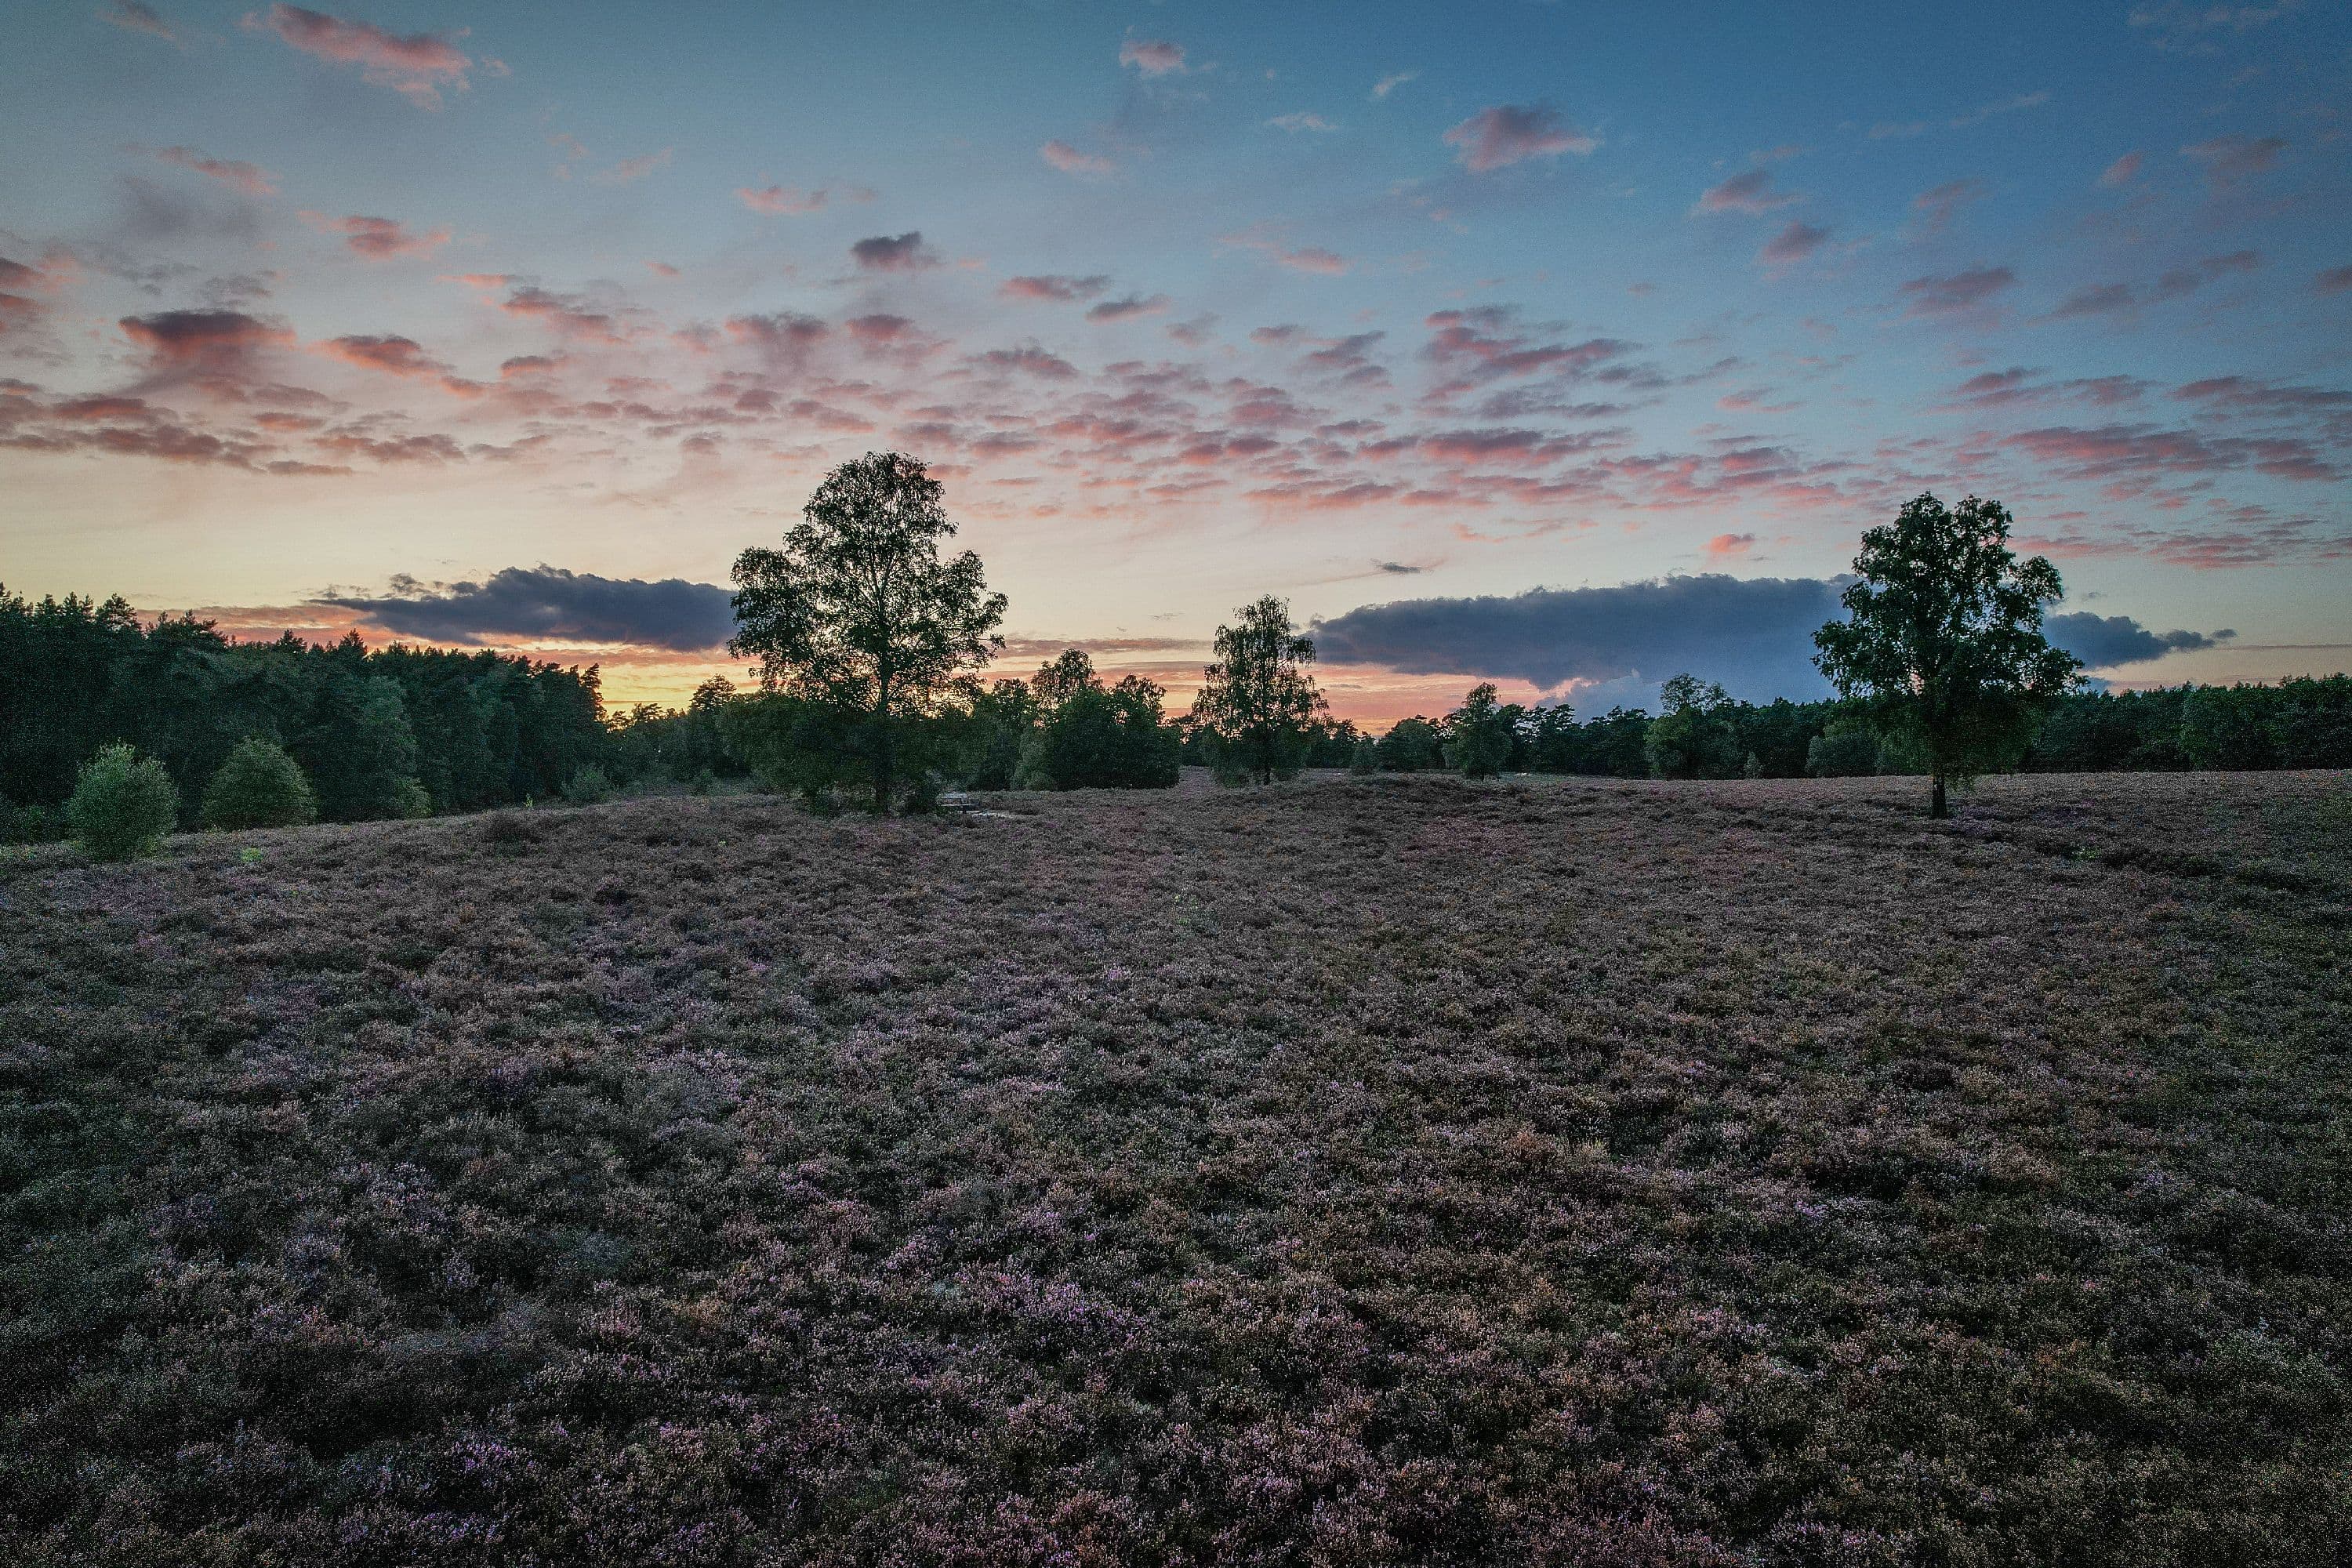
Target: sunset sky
(510,324)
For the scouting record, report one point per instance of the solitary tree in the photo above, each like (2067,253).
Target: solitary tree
(1943,646)
(1479,733)
(858,615)
(1257,700)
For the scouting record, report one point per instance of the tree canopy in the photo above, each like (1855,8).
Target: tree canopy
(860,616)
(1943,647)
(1258,699)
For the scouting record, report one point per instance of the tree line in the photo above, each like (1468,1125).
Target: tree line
(871,644)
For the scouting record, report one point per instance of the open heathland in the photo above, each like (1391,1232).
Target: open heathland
(1357,1171)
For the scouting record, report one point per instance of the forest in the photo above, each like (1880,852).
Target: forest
(399,731)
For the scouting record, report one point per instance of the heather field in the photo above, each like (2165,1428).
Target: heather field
(1359,1170)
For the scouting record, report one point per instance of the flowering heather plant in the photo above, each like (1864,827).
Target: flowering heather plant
(1378,1172)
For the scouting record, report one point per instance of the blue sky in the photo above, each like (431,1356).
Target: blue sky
(1355,304)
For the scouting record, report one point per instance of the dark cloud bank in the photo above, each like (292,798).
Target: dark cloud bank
(547,601)
(1754,635)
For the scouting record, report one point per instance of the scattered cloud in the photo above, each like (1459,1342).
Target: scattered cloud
(2335,280)
(251,178)
(417,66)
(1152,57)
(2230,159)
(1311,258)
(378,239)
(545,603)
(1942,203)
(1723,545)
(1389,83)
(894,253)
(2186,28)
(630,169)
(1791,245)
(1070,161)
(790,201)
(1959,292)
(1054,287)
(1510,133)
(1897,129)
(1750,192)
(1128,308)
(134,16)
(2122,171)
(1301,120)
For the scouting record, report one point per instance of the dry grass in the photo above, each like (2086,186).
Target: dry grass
(1362,1172)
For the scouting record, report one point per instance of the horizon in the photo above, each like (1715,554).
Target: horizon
(1552,350)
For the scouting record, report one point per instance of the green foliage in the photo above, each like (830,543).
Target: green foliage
(588,786)
(1943,643)
(794,745)
(1258,698)
(1691,740)
(1479,734)
(123,804)
(1411,746)
(1088,736)
(259,786)
(858,614)
(1844,751)
(1365,758)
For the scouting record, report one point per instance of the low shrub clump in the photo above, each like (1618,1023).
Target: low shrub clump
(588,786)
(123,804)
(259,786)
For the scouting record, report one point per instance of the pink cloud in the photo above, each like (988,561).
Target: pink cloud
(134,16)
(1728,545)
(1942,203)
(571,317)
(1030,361)
(1508,133)
(1311,258)
(378,239)
(416,66)
(1749,193)
(630,169)
(1792,244)
(784,201)
(1070,161)
(250,178)
(2122,171)
(1960,291)
(2335,280)
(1055,288)
(1152,57)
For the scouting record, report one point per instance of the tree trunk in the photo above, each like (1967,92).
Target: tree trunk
(1936,807)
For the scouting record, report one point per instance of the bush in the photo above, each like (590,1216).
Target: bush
(703,783)
(1365,758)
(1843,753)
(38,824)
(123,804)
(588,786)
(259,787)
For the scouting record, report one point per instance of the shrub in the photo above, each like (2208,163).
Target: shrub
(588,786)
(1843,753)
(1365,758)
(123,804)
(923,796)
(259,787)
(703,783)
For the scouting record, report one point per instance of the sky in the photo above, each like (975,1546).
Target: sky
(1562,346)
